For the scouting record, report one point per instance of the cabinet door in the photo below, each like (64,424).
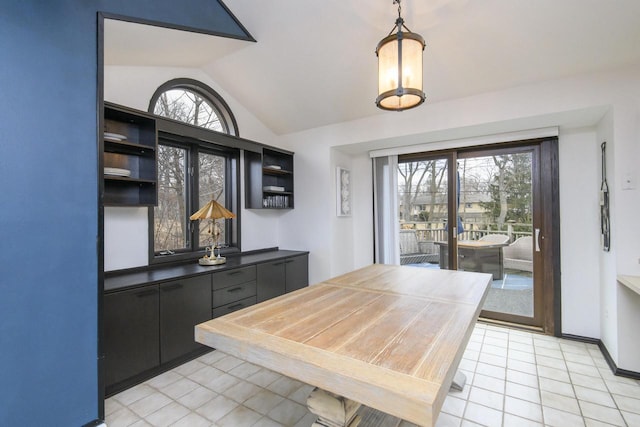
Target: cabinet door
(271,280)
(183,304)
(131,338)
(297,272)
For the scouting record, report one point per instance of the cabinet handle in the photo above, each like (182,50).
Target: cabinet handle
(147,293)
(172,287)
(233,273)
(234,306)
(278,263)
(239,288)
(289,261)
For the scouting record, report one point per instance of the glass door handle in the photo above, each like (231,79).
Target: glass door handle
(537,239)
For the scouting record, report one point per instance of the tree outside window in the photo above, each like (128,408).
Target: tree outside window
(191,172)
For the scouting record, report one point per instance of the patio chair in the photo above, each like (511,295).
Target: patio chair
(519,254)
(494,238)
(410,249)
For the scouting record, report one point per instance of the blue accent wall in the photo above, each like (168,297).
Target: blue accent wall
(49,199)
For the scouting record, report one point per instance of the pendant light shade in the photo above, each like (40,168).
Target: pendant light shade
(400,69)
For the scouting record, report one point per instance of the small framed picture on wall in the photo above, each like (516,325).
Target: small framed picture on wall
(343,192)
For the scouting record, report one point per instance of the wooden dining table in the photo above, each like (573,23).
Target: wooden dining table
(388,337)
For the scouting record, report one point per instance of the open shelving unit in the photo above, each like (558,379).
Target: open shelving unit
(269,179)
(130,150)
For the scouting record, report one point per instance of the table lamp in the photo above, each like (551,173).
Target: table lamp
(212,211)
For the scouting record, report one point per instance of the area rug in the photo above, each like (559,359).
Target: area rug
(513,301)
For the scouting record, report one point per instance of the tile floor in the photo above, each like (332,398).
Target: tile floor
(514,378)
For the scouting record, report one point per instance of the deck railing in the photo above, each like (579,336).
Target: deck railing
(437,232)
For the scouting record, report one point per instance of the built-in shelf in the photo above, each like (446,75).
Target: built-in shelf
(133,154)
(631,282)
(269,179)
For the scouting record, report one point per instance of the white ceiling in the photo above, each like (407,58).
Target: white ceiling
(314,62)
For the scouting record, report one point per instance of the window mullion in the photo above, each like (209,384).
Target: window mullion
(194,194)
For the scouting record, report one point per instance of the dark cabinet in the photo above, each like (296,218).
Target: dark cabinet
(130,168)
(271,280)
(183,304)
(233,290)
(296,273)
(269,179)
(152,325)
(131,338)
(150,329)
(286,275)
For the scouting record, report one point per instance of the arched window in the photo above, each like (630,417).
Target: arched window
(194,103)
(192,170)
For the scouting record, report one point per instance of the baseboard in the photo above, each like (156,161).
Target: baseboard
(617,371)
(95,423)
(587,340)
(603,349)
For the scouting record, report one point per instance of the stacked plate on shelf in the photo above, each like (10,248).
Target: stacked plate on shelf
(274,167)
(114,137)
(117,172)
(272,188)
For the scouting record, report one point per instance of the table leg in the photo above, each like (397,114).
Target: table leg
(332,410)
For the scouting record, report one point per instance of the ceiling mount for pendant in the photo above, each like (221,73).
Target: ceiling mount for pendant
(400,68)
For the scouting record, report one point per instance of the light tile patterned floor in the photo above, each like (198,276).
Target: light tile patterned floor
(514,378)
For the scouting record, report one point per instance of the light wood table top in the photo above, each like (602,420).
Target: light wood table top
(389,337)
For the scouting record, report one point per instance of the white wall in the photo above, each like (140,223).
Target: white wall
(579,228)
(607,260)
(626,153)
(587,108)
(577,105)
(134,87)
(308,226)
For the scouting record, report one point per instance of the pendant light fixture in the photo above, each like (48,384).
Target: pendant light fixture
(400,68)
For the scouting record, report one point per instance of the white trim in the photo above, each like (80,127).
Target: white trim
(468,142)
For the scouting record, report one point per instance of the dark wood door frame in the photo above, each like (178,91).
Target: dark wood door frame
(550,235)
(547,305)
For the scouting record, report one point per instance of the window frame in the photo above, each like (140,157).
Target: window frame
(195,139)
(186,139)
(227,119)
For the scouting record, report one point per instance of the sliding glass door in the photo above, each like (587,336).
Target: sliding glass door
(483,214)
(423,194)
(497,207)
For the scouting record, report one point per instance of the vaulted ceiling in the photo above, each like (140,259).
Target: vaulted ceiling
(314,62)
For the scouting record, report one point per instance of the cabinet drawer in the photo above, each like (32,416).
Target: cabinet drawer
(234,293)
(236,276)
(234,306)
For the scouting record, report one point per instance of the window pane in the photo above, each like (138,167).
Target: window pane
(170,218)
(188,107)
(211,186)
(423,197)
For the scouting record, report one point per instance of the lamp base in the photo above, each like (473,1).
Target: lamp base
(205,260)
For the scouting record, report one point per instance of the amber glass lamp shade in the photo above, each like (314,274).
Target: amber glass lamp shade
(400,71)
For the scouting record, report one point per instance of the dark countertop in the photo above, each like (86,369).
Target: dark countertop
(157,274)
